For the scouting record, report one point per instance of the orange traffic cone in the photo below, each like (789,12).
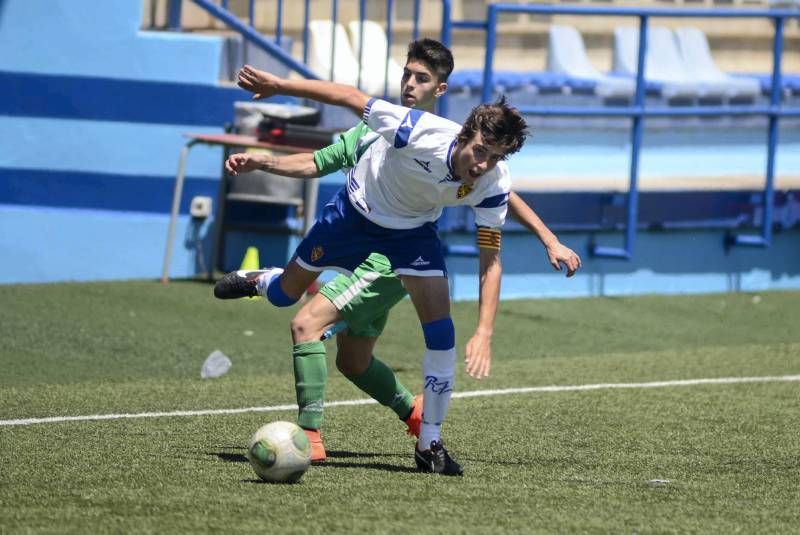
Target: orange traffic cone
(250,262)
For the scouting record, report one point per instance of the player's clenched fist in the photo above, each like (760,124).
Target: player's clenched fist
(242,163)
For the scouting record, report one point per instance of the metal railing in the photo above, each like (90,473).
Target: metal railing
(638,111)
(219,10)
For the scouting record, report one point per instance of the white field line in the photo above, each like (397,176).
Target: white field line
(470,394)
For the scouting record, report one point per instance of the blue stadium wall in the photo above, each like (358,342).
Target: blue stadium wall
(93,113)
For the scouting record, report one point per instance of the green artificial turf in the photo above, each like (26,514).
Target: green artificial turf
(695,458)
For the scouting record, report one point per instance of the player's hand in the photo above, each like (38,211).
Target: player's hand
(559,254)
(479,356)
(241,163)
(261,83)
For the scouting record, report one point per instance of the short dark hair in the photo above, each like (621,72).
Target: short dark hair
(500,125)
(434,54)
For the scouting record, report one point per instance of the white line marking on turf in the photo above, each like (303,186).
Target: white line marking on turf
(471,394)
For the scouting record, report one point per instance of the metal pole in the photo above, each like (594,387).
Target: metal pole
(362,14)
(443,107)
(637,130)
(174,15)
(415,33)
(636,140)
(310,203)
(389,11)
(335,8)
(772,136)
(305,32)
(254,37)
(279,23)
(488,63)
(176,204)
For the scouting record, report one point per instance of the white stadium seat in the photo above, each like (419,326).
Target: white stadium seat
(663,62)
(344,68)
(567,55)
(374,58)
(700,64)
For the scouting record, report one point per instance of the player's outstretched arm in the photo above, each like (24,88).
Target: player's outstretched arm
(263,84)
(478,354)
(294,165)
(557,253)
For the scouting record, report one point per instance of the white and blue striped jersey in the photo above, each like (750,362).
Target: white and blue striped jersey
(404,178)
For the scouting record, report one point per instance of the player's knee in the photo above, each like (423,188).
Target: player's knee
(302,328)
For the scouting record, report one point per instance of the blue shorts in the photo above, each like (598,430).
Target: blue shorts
(342,238)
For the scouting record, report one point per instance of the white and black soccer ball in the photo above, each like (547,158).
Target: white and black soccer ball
(279,452)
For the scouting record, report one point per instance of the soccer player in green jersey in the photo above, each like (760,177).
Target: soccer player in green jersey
(362,301)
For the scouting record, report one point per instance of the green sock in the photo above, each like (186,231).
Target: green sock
(380,382)
(310,374)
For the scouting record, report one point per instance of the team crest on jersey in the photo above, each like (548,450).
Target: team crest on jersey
(463,191)
(316,253)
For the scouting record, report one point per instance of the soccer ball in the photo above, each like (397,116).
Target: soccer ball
(279,452)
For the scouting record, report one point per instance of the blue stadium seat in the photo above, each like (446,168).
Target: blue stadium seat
(542,82)
(465,79)
(790,83)
(547,82)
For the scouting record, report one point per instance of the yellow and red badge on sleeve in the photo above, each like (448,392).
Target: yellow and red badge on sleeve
(489,238)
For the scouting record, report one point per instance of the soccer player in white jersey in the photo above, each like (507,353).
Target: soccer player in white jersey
(394,195)
(356,306)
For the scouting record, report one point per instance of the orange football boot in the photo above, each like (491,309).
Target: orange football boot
(317,447)
(414,420)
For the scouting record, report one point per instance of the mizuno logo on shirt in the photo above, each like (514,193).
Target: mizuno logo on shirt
(425,165)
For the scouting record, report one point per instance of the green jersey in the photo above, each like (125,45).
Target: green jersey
(365,297)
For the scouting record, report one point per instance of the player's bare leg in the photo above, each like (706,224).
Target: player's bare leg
(315,317)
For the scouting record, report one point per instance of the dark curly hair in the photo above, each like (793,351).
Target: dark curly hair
(500,125)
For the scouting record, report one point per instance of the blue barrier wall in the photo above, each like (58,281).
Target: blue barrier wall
(92,117)
(669,262)
(93,114)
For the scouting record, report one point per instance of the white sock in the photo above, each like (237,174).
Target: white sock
(438,373)
(265,278)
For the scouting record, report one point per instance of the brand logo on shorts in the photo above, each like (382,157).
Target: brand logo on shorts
(316,253)
(433,384)
(463,191)
(420,262)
